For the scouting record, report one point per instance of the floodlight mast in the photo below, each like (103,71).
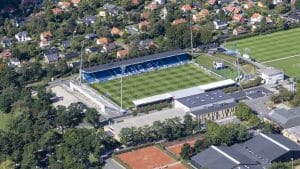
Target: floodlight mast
(122,73)
(81,64)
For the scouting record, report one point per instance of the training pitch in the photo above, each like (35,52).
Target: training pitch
(280,49)
(154,83)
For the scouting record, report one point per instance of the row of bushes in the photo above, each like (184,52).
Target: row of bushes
(147,109)
(252,83)
(248,35)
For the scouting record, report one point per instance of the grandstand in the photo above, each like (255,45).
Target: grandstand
(102,73)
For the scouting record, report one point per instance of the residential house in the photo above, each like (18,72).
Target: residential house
(292,18)
(269,20)
(6,54)
(89,20)
(102,14)
(145,15)
(102,41)
(200,15)
(144,26)
(5,42)
(196,5)
(8,10)
(249,4)
(238,18)
(160,2)
(218,24)
(39,14)
(51,58)
(111,9)
(212,2)
(116,31)
(56,11)
(284,118)
(122,53)
(14,62)
(275,2)
(151,6)
(45,37)
(66,44)
(292,133)
(29,2)
(146,44)
(22,36)
(261,4)
(70,55)
(255,18)
(93,50)
(135,2)
(164,13)
(91,36)
(239,31)
(64,5)
(75,2)
(109,47)
(132,29)
(186,8)
(179,21)
(233,9)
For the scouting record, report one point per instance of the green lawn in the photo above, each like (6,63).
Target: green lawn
(153,83)
(4,120)
(274,46)
(207,61)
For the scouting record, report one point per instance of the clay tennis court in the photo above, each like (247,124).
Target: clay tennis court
(176,146)
(149,158)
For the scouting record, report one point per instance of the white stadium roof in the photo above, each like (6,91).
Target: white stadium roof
(184,92)
(216,85)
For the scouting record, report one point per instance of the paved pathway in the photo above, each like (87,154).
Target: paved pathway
(112,164)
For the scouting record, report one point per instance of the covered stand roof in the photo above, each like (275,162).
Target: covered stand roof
(134,61)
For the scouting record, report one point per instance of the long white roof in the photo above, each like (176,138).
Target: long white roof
(218,84)
(184,92)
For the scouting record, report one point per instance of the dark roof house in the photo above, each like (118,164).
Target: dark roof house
(88,20)
(109,47)
(256,153)
(285,118)
(6,42)
(51,58)
(66,44)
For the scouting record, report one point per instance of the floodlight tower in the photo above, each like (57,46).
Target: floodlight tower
(237,54)
(191,31)
(238,65)
(122,73)
(81,64)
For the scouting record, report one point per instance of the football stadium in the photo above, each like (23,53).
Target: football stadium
(146,76)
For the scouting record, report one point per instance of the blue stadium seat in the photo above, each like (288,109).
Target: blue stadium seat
(113,73)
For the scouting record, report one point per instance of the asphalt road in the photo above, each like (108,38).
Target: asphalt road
(111,164)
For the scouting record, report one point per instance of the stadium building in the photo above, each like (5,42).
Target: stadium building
(102,73)
(256,153)
(213,105)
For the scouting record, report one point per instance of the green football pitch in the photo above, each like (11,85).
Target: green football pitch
(280,49)
(154,83)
